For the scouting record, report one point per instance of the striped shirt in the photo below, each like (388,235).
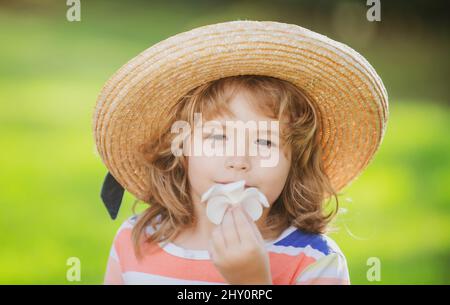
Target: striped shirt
(295,257)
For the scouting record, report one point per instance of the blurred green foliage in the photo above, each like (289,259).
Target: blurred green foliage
(51,71)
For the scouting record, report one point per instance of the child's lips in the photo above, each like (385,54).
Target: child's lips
(226,182)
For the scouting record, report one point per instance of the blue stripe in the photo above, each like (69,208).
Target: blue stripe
(300,239)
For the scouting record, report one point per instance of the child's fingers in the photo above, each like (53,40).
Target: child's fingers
(217,241)
(243,226)
(229,229)
(211,250)
(254,227)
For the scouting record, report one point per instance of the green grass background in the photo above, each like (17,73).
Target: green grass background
(51,71)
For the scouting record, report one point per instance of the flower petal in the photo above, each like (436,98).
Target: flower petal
(253,191)
(231,189)
(216,208)
(253,207)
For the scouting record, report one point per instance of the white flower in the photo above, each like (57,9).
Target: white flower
(219,196)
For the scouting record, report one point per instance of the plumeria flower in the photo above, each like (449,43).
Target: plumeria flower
(220,196)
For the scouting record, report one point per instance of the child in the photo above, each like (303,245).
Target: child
(331,110)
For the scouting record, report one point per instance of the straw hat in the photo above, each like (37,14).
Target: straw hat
(350,96)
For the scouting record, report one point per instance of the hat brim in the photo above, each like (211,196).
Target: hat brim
(350,96)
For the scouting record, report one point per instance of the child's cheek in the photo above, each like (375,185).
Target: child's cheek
(203,167)
(273,179)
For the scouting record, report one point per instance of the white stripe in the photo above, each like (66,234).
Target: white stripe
(333,265)
(140,278)
(185,253)
(113,253)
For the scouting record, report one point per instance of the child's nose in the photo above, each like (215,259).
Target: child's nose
(238,163)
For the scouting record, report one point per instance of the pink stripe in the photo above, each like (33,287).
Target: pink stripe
(113,275)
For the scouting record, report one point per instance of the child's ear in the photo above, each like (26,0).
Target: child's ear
(112,194)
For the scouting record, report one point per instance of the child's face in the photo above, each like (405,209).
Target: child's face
(204,171)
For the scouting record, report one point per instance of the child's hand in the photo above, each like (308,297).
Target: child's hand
(237,250)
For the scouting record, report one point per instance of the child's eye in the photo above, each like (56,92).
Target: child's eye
(218,137)
(267,143)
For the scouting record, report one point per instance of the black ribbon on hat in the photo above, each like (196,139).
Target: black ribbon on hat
(112,194)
